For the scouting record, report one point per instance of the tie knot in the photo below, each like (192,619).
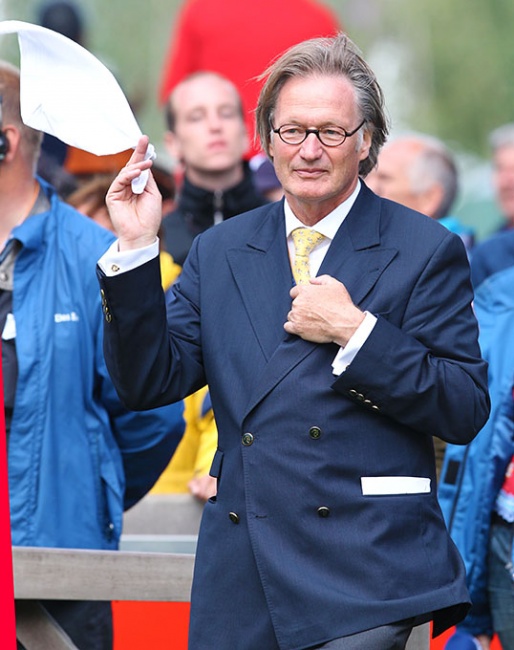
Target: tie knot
(305,240)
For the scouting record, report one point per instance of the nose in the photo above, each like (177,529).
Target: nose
(214,122)
(311,147)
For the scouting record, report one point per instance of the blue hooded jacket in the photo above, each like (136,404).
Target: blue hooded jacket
(473,475)
(76,458)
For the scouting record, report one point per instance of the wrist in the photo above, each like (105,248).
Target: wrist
(349,327)
(125,244)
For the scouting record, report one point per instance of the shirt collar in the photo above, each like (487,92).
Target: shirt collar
(329,225)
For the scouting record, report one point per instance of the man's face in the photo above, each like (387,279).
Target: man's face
(317,178)
(391,178)
(210,134)
(503,179)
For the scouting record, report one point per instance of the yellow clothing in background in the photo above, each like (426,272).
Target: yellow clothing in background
(193,456)
(169,269)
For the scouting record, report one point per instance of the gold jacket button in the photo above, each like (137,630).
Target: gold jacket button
(247,439)
(234,517)
(315,433)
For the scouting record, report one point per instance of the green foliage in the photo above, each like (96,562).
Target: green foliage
(458,71)
(454,60)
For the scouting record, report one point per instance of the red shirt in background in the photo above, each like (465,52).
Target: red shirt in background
(239,39)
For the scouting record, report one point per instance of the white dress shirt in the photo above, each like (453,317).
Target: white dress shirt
(114,262)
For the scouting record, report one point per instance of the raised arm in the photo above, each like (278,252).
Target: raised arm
(136,217)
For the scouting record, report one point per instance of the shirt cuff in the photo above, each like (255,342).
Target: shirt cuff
(347,354)
(113,261)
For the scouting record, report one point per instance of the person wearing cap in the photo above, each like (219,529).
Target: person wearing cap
(336,334)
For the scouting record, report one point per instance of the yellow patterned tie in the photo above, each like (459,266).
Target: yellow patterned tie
(305,241)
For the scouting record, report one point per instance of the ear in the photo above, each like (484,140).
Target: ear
(430,200)
(245,139)
(172,145)
(13,137)
(365,145)
(271,150)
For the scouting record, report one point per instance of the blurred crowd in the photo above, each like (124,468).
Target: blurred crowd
(84,451)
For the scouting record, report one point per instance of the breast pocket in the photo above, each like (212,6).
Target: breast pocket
(389,485)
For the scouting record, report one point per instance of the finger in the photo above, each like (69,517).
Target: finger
(139,150)
(289,327)
(323,279)
(127,174)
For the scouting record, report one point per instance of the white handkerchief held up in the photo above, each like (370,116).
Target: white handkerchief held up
(67,92)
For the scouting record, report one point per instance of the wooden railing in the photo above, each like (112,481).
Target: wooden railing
(67,574)
(46,573)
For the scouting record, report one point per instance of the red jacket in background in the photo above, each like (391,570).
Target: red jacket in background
(239,40)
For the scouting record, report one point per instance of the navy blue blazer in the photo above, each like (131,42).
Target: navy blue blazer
(296,548)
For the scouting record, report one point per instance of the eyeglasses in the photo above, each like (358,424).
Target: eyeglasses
(330,136)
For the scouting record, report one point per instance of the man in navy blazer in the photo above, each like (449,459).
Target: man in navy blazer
(325,531)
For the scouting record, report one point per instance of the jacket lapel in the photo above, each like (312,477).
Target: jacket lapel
(357,256)
(263,274)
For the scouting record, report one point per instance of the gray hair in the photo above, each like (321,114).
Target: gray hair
(435,164)
(326,56)
(503,136)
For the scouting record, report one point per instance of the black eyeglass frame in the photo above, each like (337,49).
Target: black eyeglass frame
(346,134)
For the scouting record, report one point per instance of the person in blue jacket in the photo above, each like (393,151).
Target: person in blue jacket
(76,457)
(477,488)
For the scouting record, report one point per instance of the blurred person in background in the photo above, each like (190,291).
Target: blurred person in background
(207,135)
(476,491)
(76,457)
(501,142)
(497,252)
(419,171)
(240,40)
(63,166)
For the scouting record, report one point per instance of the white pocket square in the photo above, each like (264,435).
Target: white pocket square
(378,485)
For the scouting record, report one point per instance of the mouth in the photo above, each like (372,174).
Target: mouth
(310,173)
(216,145)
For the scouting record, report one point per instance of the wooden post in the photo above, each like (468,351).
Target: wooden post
(7,620)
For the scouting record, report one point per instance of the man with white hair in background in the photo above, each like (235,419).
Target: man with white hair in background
(497,253)
(420,172)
